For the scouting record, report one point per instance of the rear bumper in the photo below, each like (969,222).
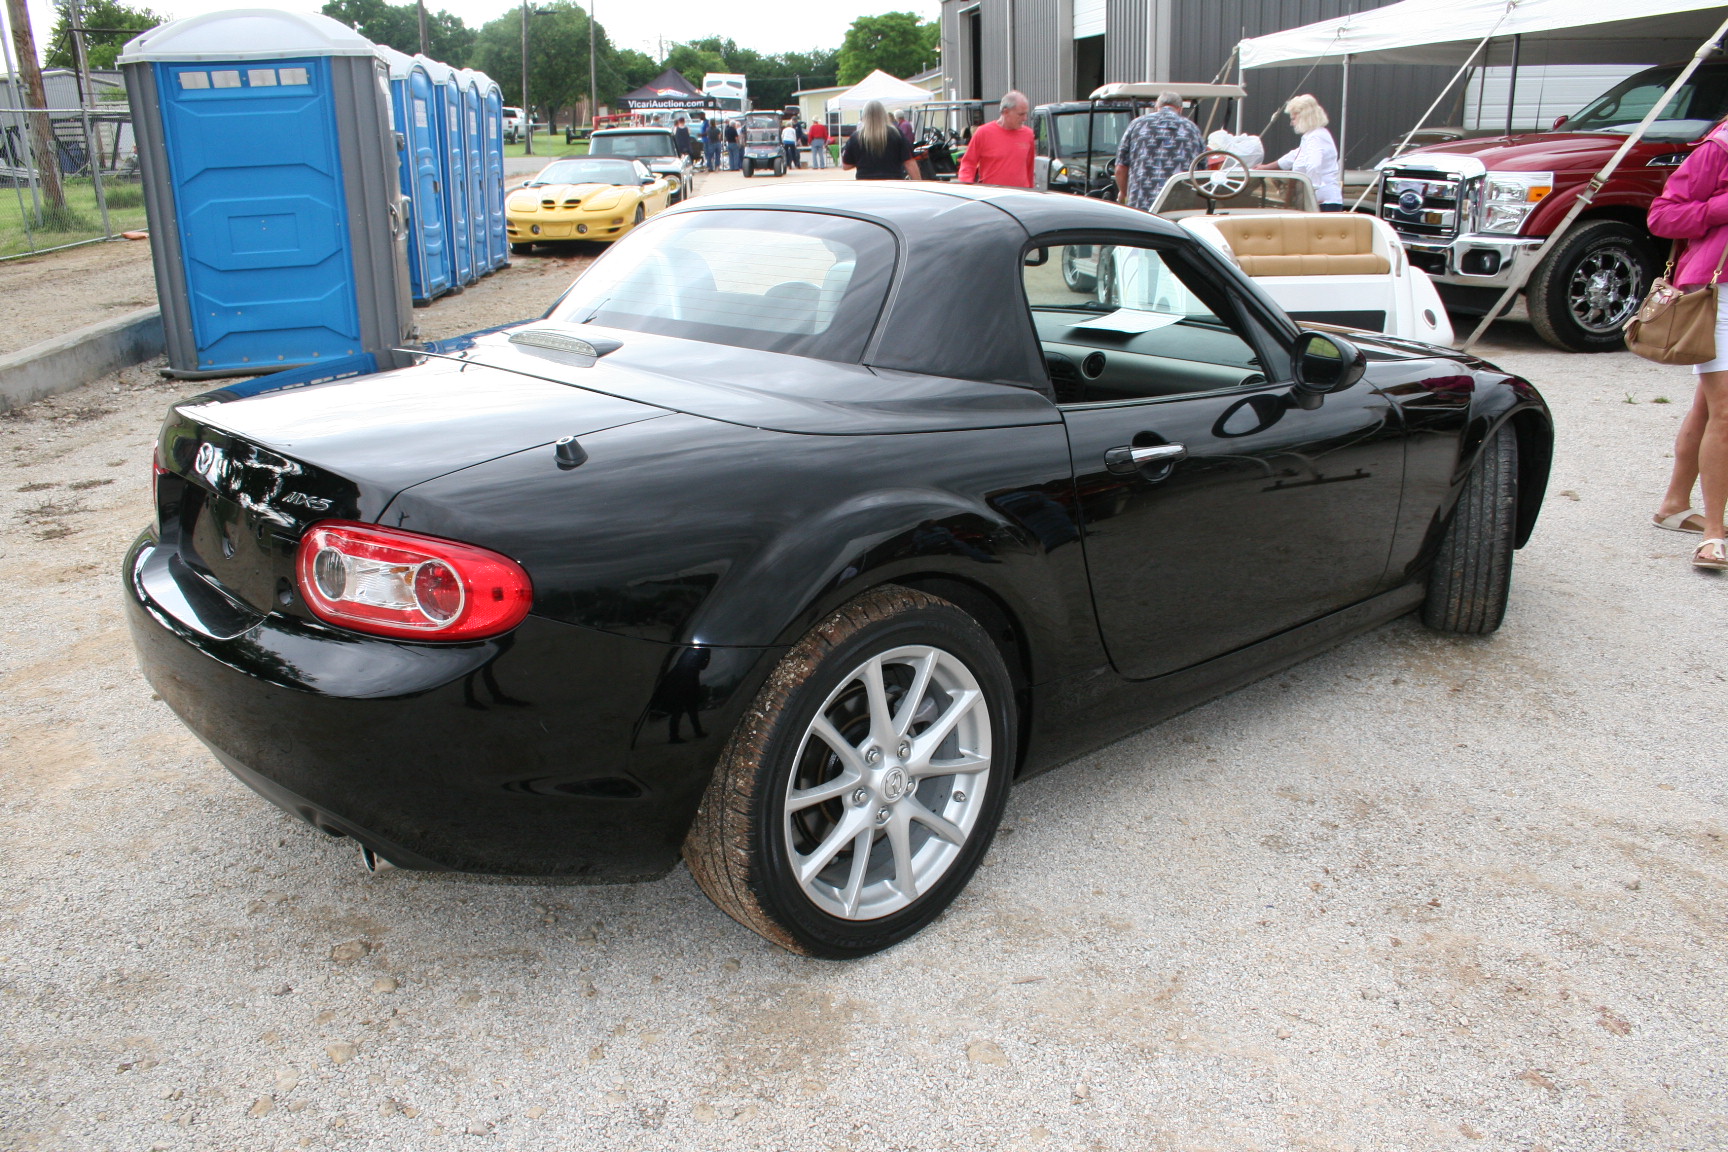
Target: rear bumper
(548,751)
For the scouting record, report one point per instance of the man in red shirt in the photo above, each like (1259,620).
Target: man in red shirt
(1001,151)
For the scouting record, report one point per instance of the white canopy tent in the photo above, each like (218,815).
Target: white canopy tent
(893,92)
(1448,32)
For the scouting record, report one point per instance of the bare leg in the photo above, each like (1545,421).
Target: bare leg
(1685,475)
(1713,450)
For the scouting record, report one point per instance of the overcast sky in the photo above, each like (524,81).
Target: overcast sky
(769,26)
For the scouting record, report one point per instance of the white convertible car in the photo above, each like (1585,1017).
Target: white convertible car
(1342,268)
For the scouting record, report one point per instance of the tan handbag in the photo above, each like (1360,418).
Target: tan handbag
(1675,327)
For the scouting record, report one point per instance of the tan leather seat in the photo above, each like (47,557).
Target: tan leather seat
(1306,244)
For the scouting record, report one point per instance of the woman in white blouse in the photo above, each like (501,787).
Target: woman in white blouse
(1316,157)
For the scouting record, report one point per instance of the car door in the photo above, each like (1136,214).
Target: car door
(1219,504)
(1041,150)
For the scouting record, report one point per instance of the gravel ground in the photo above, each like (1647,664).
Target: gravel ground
(42,297)
(1416,893)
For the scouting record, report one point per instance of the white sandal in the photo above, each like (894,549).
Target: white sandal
(1716,563)
(1676,521)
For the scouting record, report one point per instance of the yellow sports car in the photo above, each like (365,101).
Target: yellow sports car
(583,198)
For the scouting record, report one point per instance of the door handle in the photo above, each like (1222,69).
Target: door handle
(1127,460)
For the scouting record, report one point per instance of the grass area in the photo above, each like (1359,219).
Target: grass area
(549,145)
(80,220)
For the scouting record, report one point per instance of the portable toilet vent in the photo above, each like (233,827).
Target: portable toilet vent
(270,183)
(453,160)
(492,110)
(421,176)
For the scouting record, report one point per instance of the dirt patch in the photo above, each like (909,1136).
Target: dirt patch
(47,296)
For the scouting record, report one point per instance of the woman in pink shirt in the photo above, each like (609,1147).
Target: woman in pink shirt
(1001,151)
(1694,209)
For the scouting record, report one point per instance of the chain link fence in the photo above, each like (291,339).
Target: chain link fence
(68,176)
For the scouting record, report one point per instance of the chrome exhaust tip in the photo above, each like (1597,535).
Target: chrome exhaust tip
(374,863)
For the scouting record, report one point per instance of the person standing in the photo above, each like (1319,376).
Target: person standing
(1316,156)
(1693,208)
(681,136)
(818,144)
(876,150)
(904,127)
(1156,147)
(1001,151)
(734,149)
(789,141)
(711,143)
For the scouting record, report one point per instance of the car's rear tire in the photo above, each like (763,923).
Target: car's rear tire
(831,827)
(1472,573)
(1076,278)
(1589,285)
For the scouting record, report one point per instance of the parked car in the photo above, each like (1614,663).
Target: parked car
(805,523)
(1473,212)
(655,147)
(513,121)
(583,198)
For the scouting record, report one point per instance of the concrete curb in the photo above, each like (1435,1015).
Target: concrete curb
(77,358)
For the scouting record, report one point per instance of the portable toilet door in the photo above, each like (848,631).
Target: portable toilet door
(412,112)
(270,182)
(453,161)
(473,139)
(497,245)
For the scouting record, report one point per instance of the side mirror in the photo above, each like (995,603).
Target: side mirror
(1326,362)
(1037,257)
(1558,120)
(646,180)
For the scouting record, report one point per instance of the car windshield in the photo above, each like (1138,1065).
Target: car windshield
(1264,190)
(585,171)
(803,283)
(1699,103)
(634,145)
(1105,125)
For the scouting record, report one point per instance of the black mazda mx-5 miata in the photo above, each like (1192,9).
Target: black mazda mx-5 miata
(798,529)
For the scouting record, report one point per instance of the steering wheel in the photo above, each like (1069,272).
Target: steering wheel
(1228,179)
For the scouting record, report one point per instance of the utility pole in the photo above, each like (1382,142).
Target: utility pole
(36,101)
(92,150)
(425,50)
(593,72)
(527,108)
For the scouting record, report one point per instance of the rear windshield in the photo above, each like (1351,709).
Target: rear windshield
(802,283)
(585,171)
(1079,134)
(634,146)
(1699,103)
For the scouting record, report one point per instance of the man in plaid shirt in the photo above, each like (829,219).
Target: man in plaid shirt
(1156,147)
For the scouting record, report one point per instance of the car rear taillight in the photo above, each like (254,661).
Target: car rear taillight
(395,583)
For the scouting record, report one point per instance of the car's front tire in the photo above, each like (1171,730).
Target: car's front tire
(749,167)
(1472,574)
(1075,277)
(522,249)
(859,793)
(1588,286)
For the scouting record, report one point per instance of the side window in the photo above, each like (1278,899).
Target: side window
(1041,134)
(1128,322)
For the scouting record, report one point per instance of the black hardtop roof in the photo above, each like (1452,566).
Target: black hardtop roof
(912,207)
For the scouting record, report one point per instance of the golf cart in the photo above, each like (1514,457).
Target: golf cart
(1341,268)
(941,128)
(762,149)
(1077,140)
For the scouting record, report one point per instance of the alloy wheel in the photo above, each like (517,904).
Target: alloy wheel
(888,783)
(1604,288)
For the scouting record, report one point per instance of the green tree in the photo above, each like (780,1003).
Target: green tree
(772,79)
(637,68)
(557,57)
(101,47)
(896,42)
(398,25)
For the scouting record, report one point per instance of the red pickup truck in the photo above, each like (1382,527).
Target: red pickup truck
(1473,212)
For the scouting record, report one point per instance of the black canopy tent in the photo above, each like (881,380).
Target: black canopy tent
(667,92)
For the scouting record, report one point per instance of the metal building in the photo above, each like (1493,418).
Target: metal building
(1063,49)
(269,171)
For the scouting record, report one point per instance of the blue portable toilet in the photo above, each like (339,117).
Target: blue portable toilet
(270,183)
(422,179)
(492,111)
(453,161)
(474,141)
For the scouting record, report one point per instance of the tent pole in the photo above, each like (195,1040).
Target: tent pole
(1595,184)
(1344,114)
(1512,81)
(1240,101)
